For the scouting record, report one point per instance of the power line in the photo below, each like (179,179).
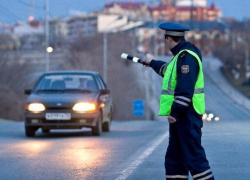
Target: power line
(35,6)
(28,5)
(10,15)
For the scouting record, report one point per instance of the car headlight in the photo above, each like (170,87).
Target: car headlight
(35,107)
(84,107)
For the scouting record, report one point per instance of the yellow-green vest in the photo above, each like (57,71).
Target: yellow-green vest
(169,85)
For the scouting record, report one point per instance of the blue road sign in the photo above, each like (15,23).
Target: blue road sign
(138,107)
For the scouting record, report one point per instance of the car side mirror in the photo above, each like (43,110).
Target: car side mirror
(105,91)
(27,91)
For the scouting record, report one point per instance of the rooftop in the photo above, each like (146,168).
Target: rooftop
(71,72)
(126,5)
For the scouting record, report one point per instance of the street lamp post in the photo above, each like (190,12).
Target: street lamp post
(105,44)
(47,34)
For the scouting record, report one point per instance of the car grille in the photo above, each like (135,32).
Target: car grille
(59,108)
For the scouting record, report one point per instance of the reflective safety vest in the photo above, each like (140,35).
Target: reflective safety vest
(169,85)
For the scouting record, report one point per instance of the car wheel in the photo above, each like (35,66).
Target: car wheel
(45,130)
(29,131)
(106,126)
(97,130)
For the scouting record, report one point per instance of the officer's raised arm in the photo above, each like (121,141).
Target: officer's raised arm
(158,66)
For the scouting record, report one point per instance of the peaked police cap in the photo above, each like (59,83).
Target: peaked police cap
(173,29)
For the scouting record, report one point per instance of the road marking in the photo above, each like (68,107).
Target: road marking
(130,169)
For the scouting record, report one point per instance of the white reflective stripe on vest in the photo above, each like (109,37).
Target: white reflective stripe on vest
(163,69)
(182,103)
(167,92)
(171,92)
(199,91)
(201,174)
(176,176)
(183,98)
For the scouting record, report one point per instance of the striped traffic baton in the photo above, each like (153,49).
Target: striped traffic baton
(132,58)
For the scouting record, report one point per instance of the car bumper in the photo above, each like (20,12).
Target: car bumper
(77,121)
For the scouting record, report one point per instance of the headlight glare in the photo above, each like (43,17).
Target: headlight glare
(84,107)
(36,107)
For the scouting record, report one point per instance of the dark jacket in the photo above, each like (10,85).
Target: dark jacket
(185,80)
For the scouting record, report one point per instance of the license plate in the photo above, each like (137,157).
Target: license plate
(58,116)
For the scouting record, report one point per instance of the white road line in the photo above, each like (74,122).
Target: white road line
(130,169)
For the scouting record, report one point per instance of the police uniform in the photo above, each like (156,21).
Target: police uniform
(183,98)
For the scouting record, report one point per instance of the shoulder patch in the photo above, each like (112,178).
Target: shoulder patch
(184,69)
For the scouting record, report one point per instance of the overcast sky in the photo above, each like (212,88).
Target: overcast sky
(13,10)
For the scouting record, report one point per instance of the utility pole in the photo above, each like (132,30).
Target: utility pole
(155,38)
(134,38)
(192,15)
(31,17)
(47,34)
(233,41)
(247,60)
(105,61)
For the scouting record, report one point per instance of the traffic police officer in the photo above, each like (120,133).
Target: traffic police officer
(183,101)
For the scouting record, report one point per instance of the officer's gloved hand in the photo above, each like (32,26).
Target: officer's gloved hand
(146,62)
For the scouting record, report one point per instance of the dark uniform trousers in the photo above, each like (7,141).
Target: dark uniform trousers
(185,153)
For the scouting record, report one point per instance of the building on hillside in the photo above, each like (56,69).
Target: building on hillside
(24,28)
(164,12)
(213,13)
(29,35)
(82,26)
(58,32)
(183,13)
(7,39)
(188,3)
(6,29)
(168,2)
(196,3)
(111,22)
(130,9)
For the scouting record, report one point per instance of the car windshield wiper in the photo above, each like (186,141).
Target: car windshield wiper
(78,90)
(50,90)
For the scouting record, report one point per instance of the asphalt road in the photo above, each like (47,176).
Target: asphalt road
(133,150)
(74,154)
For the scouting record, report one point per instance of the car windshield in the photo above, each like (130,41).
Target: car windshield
(72,83)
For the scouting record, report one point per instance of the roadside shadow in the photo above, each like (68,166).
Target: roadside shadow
(54,134)
(63,134)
